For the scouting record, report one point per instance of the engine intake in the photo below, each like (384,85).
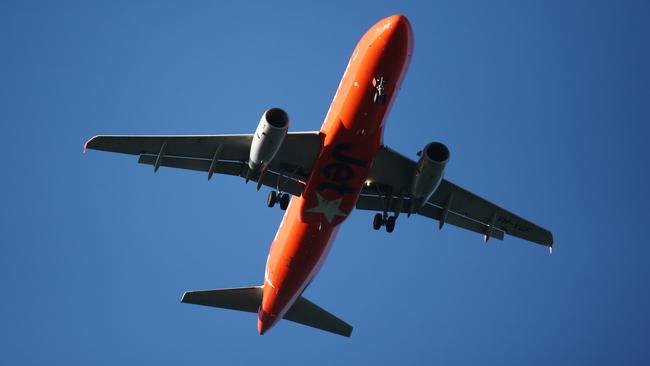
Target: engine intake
(268,138)
(428,173)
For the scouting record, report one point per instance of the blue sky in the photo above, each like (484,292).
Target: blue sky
(544,106)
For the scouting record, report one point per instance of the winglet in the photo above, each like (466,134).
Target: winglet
(88,142)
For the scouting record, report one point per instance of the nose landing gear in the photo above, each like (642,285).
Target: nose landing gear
(380,90)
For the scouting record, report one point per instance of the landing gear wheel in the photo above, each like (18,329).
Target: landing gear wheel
(379,98)
(272,199)
(284,201)
(390,224)
(377,221)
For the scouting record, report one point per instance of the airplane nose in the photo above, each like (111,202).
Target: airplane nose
(398,19)
(396,28)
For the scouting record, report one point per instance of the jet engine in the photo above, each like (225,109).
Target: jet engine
(268,138)
(429,171)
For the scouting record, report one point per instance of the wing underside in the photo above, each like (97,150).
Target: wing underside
(290,169)
(221,154)
(392,172)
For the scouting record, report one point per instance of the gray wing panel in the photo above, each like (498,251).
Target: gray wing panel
(297,154)
(235,147)
(234,168)
(395,172)
(202,165)
(392,169)
(470,205)
(290,167)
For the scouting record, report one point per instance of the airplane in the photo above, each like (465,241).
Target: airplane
(319,177)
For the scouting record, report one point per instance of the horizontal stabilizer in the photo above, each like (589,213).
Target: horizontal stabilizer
(243,299)
(249,299)
(307,313)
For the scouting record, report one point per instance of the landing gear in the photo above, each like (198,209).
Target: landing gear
(276,197)
(284,201)
(381,220)
(390,224)
(379,98)
(380,90)
(378,221)
(272,199)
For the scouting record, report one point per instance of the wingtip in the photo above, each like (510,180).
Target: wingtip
(184,295)
(349,333)
(88,142)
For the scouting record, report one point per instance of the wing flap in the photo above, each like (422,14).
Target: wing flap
(471,205)
(374,203)
(455,219)
(269,179)
(392,169)
(202,165)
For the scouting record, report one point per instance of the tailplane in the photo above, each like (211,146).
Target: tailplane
(248,299)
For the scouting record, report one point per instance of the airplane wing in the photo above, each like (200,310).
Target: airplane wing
(222,154)
(393,172)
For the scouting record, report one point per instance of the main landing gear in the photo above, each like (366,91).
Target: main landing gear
(381,220)
(277,197)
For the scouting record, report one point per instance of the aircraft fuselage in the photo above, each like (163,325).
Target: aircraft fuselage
(352,135)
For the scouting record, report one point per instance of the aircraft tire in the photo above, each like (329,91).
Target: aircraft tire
(284,201)
(390,224)
(377,221)
(272,199)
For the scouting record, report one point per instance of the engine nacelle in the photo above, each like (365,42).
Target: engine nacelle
(428,173)
(268,138)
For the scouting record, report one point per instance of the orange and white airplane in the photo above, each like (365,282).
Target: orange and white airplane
(321,176)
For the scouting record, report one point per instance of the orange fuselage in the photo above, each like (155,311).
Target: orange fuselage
(352,135)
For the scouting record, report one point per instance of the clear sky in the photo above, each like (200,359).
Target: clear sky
(544,105)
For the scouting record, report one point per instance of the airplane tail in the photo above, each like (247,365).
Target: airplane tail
(249,299)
